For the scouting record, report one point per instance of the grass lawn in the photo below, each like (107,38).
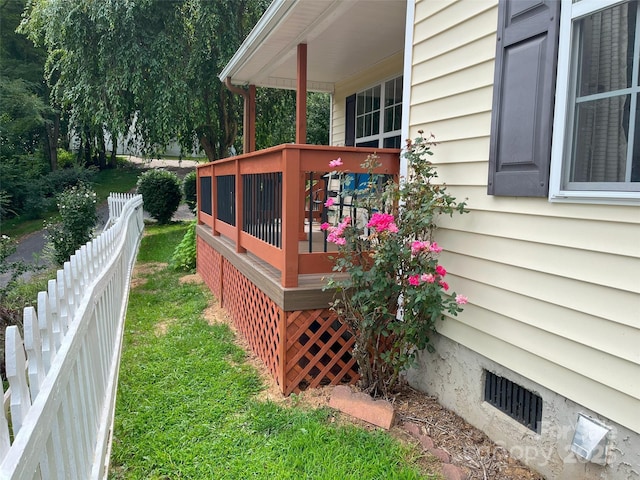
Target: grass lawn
(118,180)
(188,403)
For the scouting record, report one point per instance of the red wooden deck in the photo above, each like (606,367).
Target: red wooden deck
(262,254)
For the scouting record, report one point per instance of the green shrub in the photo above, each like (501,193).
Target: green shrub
(184,255)
(61,179)
(35,203)
(65,159)
(189,189)
(77,207)
(161,194)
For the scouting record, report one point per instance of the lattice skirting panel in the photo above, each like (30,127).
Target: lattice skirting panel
(255,315)
(318,351)
(209,266)
(302,349)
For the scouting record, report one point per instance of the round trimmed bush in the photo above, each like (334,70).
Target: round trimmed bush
(77,207)
(161,194)
(189,189)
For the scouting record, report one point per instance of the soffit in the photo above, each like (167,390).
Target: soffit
(343,37)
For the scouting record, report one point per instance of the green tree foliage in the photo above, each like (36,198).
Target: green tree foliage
(152,64)
(24,107)
(161,193)
(276,117)
(318,112)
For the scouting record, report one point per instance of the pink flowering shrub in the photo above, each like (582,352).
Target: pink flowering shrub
(395,290)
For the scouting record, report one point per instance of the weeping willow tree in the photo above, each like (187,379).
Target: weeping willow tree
(145,66)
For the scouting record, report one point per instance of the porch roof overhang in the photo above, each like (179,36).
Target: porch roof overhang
(343,38)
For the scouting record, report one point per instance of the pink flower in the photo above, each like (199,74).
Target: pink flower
(427,277)
(330,201)
(435,248)
(335,233)
(440,270)
(346,221)
(417,246)
(414,280)
(333,237)
(335,163)
(461,299)
(444,285)
(325,226)
(382,222)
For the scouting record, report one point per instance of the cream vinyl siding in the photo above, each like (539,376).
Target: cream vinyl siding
(386,70)
(554,289)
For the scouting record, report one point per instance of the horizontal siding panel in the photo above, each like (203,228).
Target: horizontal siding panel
(619,374)
(588,298)
(467,79)
(427,8)
(467,173)
(596,333)
(465,150)
(458,105)
(480,201)
(447,15)
(338,125)
(611,237)
(427,67)
(441,42)
(470,126)
(614,271)
(594,395)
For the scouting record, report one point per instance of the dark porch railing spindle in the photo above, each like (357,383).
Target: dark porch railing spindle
(262,206)
(226,199)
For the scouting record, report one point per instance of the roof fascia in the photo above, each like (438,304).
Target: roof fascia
(272,16)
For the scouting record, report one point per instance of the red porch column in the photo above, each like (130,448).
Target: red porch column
(301,95)
(301,117)
(250,121)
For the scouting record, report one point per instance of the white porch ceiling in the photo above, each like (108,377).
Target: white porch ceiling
(343,38)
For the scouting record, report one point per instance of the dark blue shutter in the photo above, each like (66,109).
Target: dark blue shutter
(523,97)
(350,121)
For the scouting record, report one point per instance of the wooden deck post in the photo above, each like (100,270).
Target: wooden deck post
(214,201)
(301,95)
(239,205)
(290,215)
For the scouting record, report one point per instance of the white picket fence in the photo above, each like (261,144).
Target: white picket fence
(63,377)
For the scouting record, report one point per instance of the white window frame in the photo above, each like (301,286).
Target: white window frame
(381,135)
(563,117)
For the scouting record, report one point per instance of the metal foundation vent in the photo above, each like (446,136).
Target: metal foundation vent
(519,403)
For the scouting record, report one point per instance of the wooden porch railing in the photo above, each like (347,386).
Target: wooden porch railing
(267,202)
